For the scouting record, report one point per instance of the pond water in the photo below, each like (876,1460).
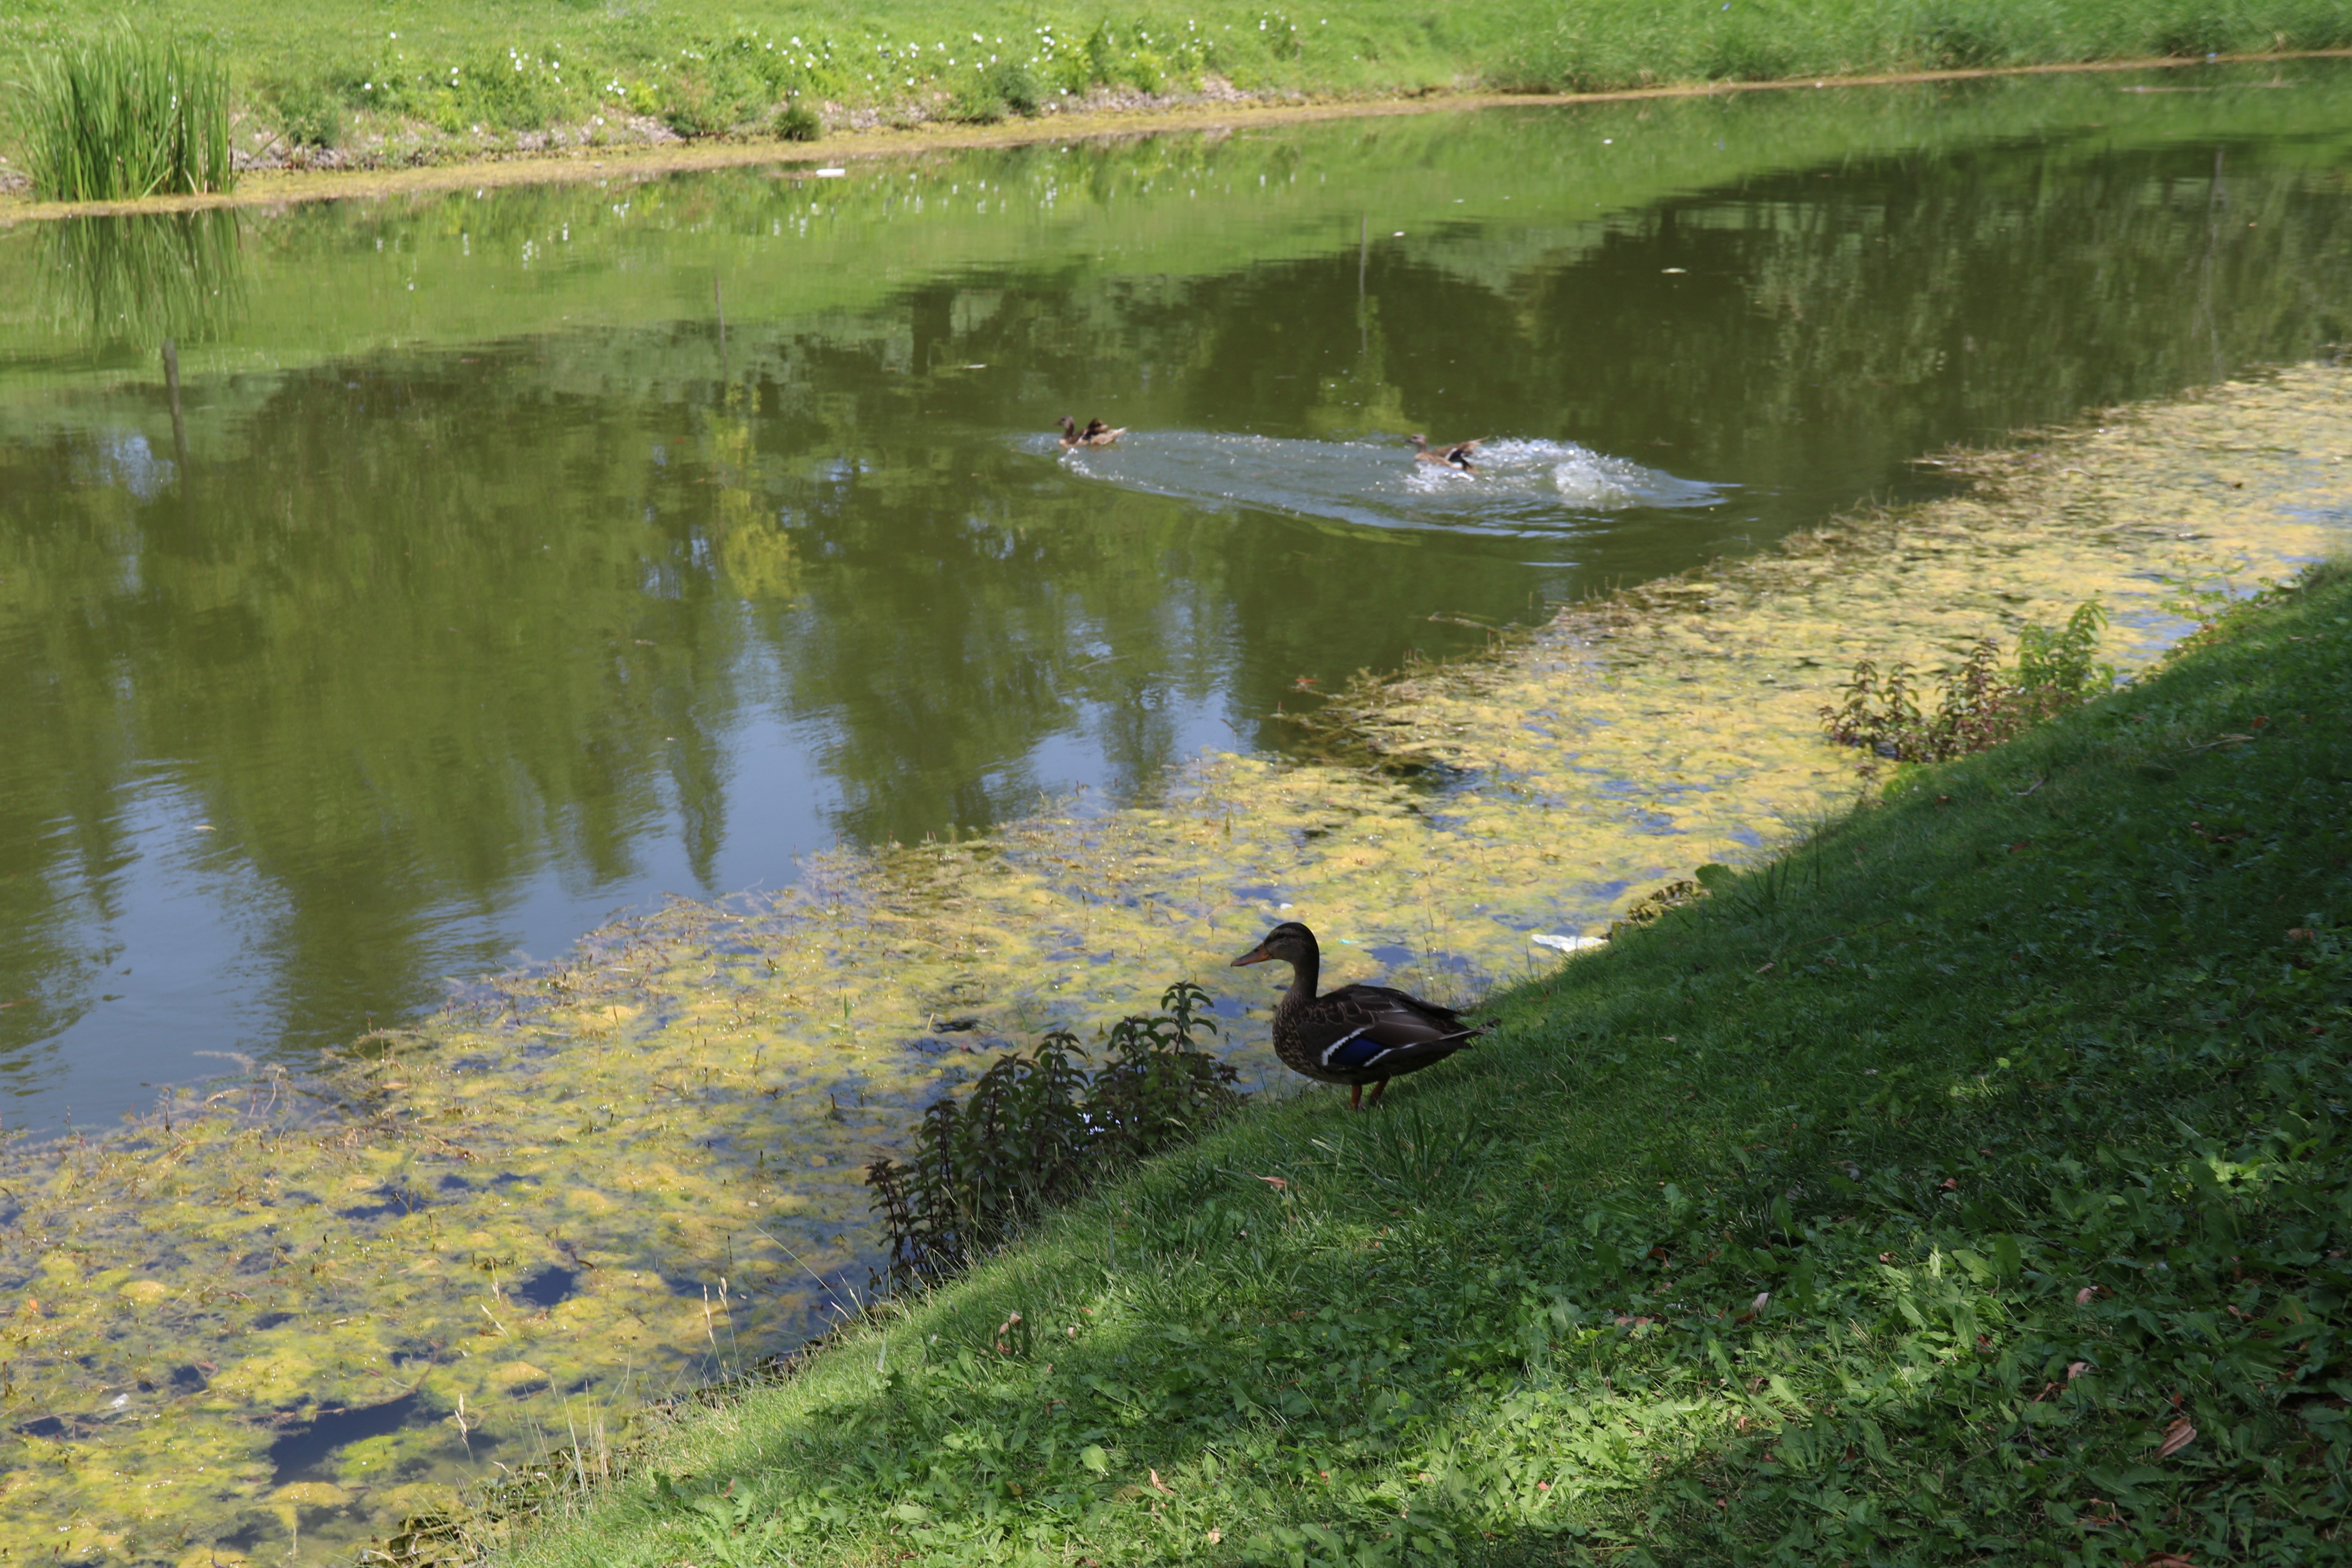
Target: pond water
(515,558)
(505,560)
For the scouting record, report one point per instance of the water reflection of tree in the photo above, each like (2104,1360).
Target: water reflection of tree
(1823,334)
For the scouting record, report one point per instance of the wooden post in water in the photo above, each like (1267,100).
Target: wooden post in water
(179,426)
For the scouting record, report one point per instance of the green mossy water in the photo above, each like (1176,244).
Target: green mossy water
(1969,1183)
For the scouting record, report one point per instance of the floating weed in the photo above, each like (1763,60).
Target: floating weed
(219,1325)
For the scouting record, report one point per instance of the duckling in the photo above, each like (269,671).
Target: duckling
(1357,1034)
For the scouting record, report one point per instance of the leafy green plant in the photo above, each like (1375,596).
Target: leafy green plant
(1981,704)
(309,114)
(123,116)
(975,105)
(796,121)
(1017,85)
(1036,1132)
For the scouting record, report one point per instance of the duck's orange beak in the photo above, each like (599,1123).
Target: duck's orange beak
(1257,954)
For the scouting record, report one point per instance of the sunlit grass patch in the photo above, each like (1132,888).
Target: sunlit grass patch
(124,115)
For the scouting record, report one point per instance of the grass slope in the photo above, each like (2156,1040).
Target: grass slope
(371,77)
(1914,1198)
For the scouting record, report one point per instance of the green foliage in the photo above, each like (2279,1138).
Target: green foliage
(1036,1132)
(1980,705)
(310,113)
(1006,86)
(122,115)
(796,121)
(1618,43)
(1982,1194)
(974,105)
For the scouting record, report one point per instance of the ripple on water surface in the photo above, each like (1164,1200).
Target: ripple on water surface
(1521,486)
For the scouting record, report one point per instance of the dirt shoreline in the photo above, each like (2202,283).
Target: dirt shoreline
(286,188)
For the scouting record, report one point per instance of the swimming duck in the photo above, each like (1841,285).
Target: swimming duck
(1453,454)
(1357,1034)
(1095,434)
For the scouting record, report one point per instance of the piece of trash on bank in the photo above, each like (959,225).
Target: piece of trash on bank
(1567,943)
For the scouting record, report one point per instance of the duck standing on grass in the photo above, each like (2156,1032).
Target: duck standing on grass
(1455,454)
(1358,1034)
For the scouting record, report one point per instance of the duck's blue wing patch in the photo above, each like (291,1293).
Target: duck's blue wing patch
(1356,1050)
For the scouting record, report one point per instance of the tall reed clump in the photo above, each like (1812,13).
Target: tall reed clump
(124,116)
(1036,1132)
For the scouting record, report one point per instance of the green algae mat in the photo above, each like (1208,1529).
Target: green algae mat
(280,1316)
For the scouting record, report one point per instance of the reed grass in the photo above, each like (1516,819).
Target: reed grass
(119,115)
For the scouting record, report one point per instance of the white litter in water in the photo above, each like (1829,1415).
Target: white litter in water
(1567,943)
(1519,486)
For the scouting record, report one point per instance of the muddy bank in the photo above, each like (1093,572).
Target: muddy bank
(542,158)
(308,1307)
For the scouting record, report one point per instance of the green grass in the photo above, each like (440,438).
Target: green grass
(1905,1201)
(125,115)
(345,71)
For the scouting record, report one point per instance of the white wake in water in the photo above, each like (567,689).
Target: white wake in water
(1520,486)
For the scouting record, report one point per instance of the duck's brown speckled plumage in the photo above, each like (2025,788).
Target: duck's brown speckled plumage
(1455,455)
(1356,1035)
(1094,434)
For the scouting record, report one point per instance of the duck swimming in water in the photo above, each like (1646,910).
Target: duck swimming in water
(1357,1034)
(1095,434)
(1455,454)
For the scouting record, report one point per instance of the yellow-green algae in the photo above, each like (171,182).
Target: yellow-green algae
(680,1112)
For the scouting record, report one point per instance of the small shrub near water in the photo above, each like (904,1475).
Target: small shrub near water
(310,114)
(121,116)
(1980,705)
(797,122)
(1037,1131)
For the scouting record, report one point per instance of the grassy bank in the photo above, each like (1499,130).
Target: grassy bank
(1968,1183)
(347,81)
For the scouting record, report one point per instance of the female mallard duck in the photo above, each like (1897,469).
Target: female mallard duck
(1453,454)
(1095,434)
(1358,1034)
